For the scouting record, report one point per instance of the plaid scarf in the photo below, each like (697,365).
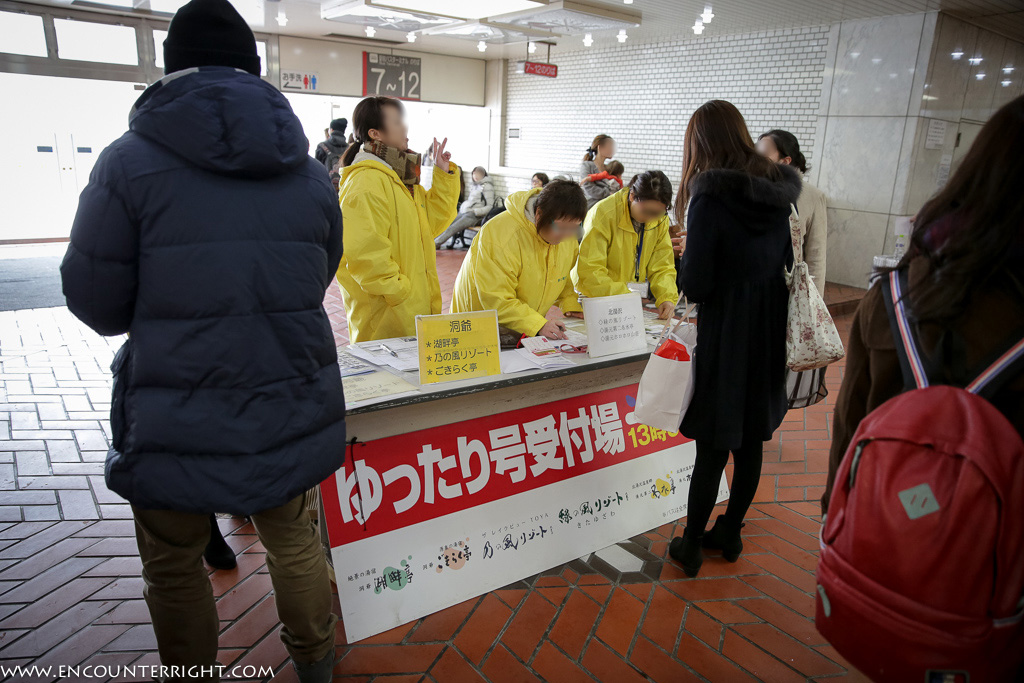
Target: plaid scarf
(406,164)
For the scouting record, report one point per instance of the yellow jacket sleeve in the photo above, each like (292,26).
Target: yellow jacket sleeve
(569,300)
(590,274)
(496,285)
(368,251)
(661,270)
(443,199)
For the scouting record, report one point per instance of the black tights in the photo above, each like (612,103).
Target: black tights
(707,474)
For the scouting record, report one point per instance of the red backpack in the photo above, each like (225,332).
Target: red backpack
(921,576)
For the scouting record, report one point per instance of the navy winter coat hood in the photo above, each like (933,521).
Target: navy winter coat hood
(209,235)
(222,120)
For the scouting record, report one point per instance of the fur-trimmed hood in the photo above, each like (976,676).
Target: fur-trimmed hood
(733,185)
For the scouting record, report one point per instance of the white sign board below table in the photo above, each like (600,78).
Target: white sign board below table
(425,520)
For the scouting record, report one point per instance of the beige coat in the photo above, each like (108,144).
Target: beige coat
(814,226)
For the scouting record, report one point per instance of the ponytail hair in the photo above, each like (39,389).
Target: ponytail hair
(651,185)
(368,115)
(788,146)
(592,150)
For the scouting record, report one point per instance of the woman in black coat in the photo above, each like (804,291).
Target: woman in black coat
(737,207)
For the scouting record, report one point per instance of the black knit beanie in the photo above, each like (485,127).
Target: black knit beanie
(210,33)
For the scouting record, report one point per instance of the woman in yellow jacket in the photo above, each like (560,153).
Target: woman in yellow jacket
(519,263)
(388,274)
(626,244)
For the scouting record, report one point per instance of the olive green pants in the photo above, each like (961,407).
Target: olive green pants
(180,599)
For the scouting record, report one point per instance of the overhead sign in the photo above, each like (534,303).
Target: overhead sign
(541,69)
(298,81)
(458,346)
(425,520)
(391,76)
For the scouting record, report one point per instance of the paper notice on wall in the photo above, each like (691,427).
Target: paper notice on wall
(942,174)
(936,137)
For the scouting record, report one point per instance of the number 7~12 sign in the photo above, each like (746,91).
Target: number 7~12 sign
(391,76)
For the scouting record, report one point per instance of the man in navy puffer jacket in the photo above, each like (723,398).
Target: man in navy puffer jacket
(209,235)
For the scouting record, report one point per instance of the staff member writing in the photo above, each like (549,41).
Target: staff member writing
(388,275)
(519,263)
(626,245)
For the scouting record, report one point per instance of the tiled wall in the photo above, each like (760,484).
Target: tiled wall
(643,96)
(957,99)
(857,94)
(885,80)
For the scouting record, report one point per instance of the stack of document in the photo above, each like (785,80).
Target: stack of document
(548,362)
(352,366)
(400,353)
(377,384)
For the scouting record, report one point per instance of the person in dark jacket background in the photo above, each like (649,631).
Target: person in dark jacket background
(209,235)
(329,151)
(737,206)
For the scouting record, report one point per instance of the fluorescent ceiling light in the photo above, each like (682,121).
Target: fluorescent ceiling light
(588,40)
(370,32)
(571,18)
(482,46)
(362,12)
(125,4)
(166,6)
(411,36)
(251,10)
(956,54)
(707,16)
(466,9)
(622,35)
(975,60)
(698,27)
(282,18)
(1005,83)
(980,77)
(1007,69)
(494,34)
(531,47)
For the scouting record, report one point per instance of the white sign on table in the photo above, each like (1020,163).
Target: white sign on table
(615,324)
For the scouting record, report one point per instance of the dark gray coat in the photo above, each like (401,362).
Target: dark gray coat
(209,235)
(737,245)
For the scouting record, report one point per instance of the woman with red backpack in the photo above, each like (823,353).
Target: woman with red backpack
(922,561)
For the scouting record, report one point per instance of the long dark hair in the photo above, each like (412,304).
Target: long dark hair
(788,146)
(651,185)
(717,138)
(968,228)
(592,150)
(368,115)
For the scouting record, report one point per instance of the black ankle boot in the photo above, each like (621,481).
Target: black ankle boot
(218,553)
(686,551)
(726,538)
(317,672)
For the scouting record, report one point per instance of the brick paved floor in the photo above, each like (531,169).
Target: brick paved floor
(70,590)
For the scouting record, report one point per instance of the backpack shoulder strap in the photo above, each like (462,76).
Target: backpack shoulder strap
(1009,364)
(903,333)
